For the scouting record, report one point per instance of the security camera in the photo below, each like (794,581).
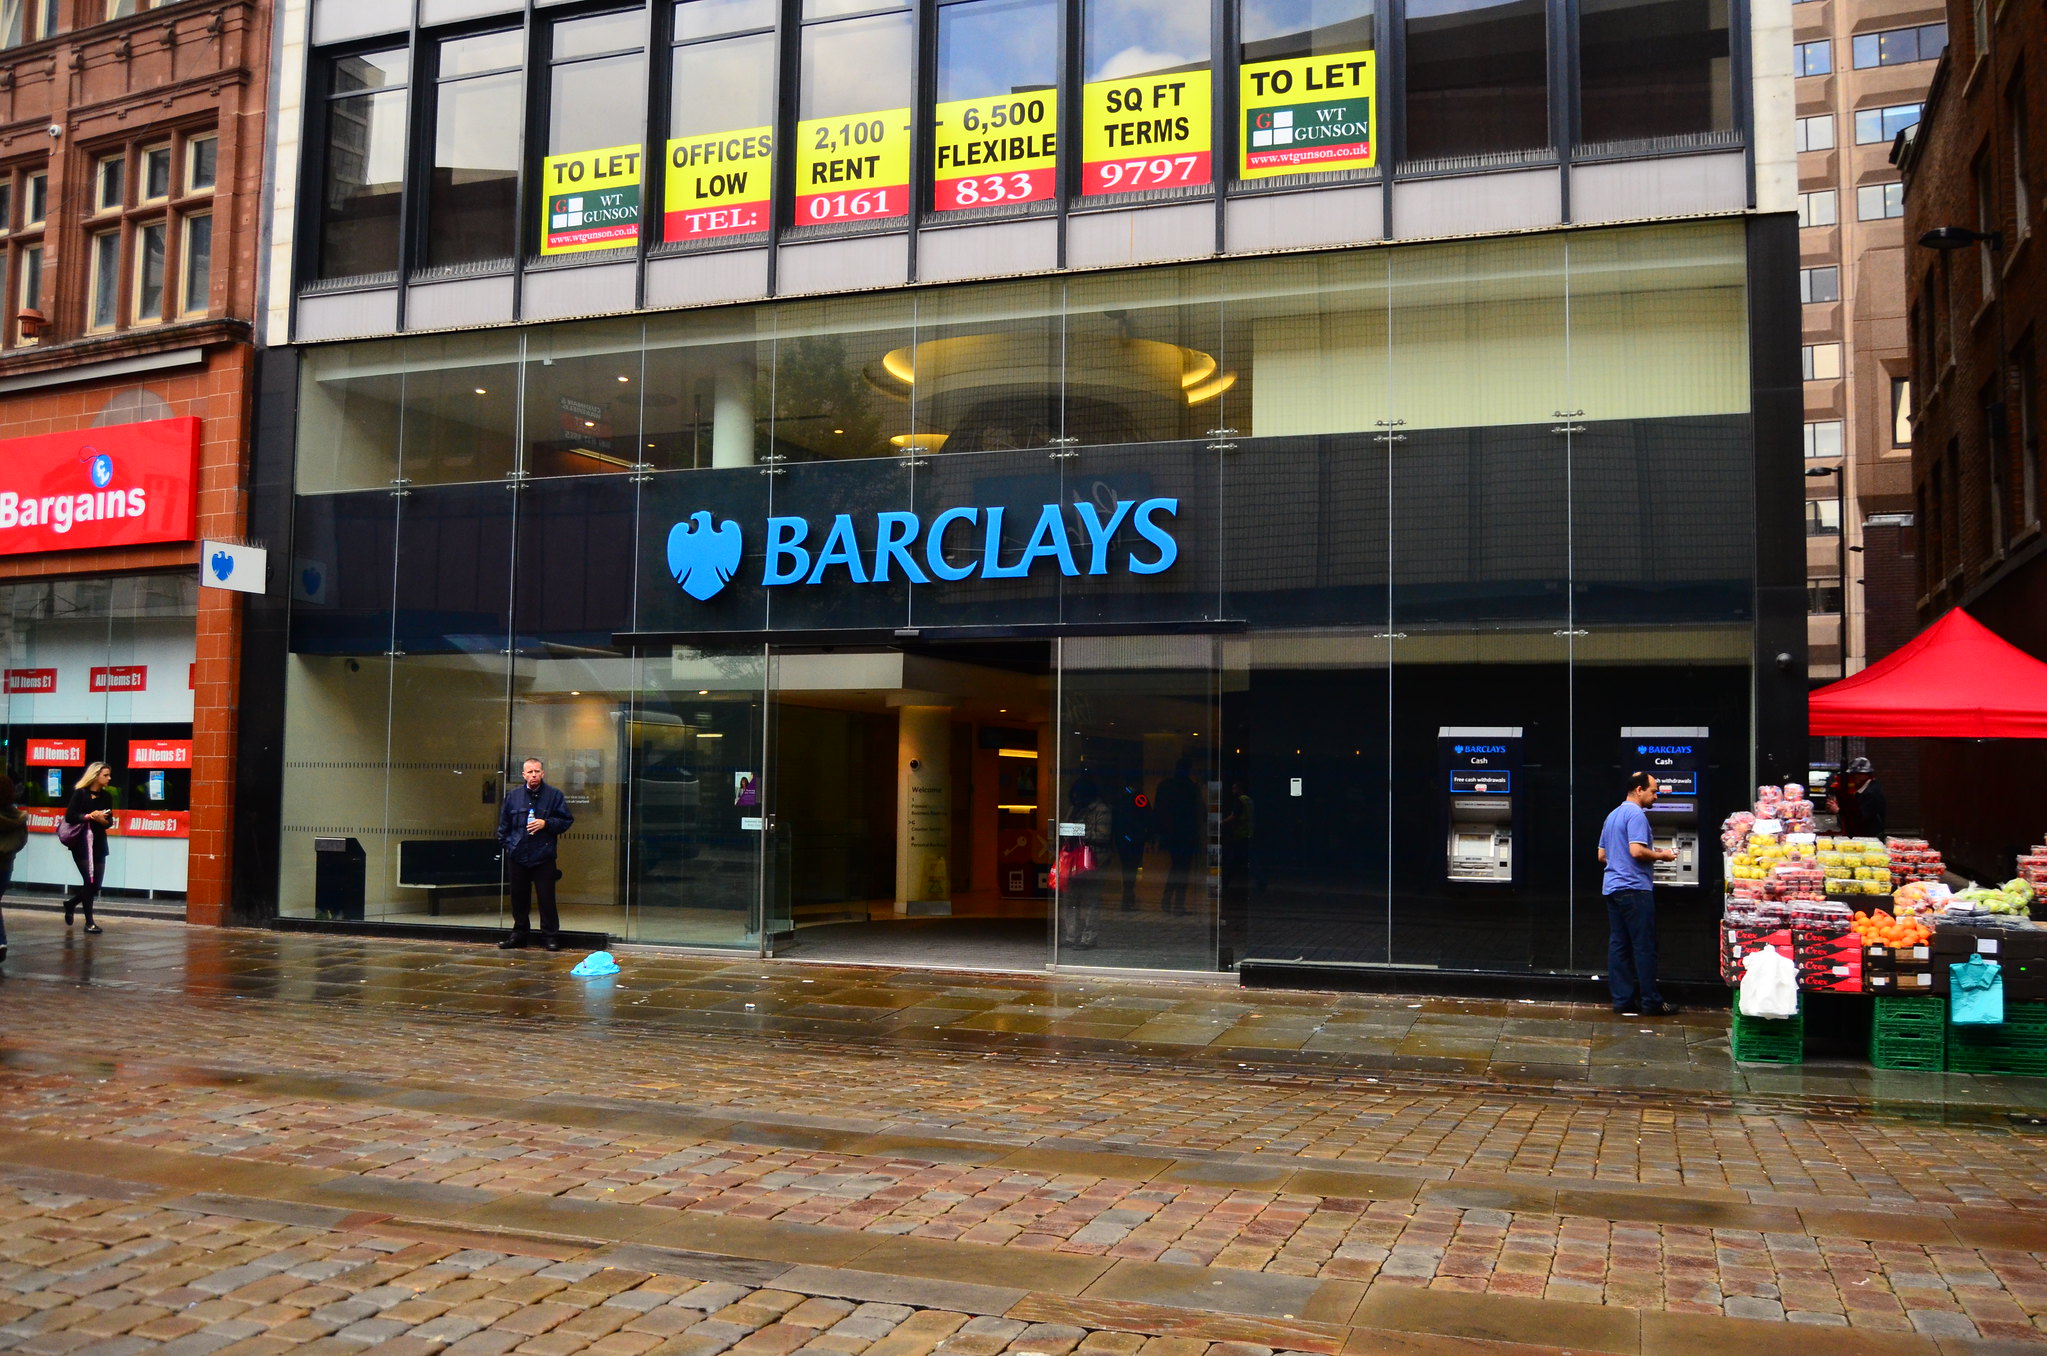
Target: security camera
(915,764)
(1784,660)
(54,130)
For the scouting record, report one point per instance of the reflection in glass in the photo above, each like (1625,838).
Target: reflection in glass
(1145,37)
(597,104)
(713,18)
(584,386)
(1477,78)
(364,170)
(856,66)
(723,86)
(1653,68)
(472,199)
(1275,30)
(991,47)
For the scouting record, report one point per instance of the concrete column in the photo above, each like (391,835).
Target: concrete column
(924,810)
(732,415)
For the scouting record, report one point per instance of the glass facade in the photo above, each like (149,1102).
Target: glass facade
(1130,617)
(102,670)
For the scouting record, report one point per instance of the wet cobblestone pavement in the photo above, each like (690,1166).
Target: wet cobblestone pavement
(249,1142)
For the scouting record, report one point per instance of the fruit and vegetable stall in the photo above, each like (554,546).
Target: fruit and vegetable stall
(1958,976)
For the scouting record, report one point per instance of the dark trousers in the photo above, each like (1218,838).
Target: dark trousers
(6,879)
(527,881)
(1631,948)
(1179,866)
(90,870)
(1130,856)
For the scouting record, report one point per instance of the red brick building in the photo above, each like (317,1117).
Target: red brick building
(1974,171)
(131,168)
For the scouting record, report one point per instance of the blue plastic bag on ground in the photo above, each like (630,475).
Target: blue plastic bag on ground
(1976,993)
(602,963)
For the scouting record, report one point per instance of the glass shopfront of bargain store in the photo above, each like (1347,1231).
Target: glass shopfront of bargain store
(1165,619)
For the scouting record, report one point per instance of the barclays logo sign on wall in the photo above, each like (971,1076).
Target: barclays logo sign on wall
(960,543)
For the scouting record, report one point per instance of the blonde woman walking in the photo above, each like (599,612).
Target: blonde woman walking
(84,831)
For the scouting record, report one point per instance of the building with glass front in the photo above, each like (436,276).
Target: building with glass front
(1013,483)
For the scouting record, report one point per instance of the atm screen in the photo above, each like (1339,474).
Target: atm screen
(1674,807)
(1474,845)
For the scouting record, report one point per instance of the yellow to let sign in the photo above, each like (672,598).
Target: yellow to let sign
(853,168)
(1307,115)
(592,202)
(718,184)
(995,152)
(1148,131)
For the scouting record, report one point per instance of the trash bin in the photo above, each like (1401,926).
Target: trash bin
(340,878)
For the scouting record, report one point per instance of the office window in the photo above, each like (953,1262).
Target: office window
(2026,363)
(1986,222)
(1823,438)
(156,173)
(721,115)
(1822,518)
(1901,411)
(1879,202)
(364,169)
(1820,362)
(35,206)
(1477,78)
(986,49)
(26,21)
(1899,46)
(152,257)
(1881,125)
(1812,58)
(21,255)
(1280,30)
(594,174)
(1823,597)
(1817,208)
(6,203)
(104,305)
(1653,68)
(196,289)
(31,277)
(473,192)
(121,9)
(1819,284)
(202,163)
(109,179)
(1816,133)
(2016,110)
(853,118)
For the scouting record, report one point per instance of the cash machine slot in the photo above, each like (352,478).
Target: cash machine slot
(1481,770)
(1677,757)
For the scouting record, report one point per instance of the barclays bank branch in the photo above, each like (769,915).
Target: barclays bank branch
(1294,607)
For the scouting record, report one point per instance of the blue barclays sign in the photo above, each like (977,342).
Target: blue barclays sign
(958,543)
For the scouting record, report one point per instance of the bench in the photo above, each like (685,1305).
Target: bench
(450,868)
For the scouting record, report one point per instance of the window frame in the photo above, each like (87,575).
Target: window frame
(1889,198)
(110,167)
(1883,114)
(423,112)
(97,285)
(41,23)
(1872,42)
(138,238)
(191,185)
(144,155)
(1808,217)
(321,100)
(1801,58)
(1804,141)
(1809,367)
(1901,410)
(19,243)
(1808,276)
(1811,433)
(185,310)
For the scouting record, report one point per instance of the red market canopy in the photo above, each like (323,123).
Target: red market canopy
(1957,679)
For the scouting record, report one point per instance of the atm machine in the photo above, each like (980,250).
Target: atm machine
(1481,769)
(1676,755)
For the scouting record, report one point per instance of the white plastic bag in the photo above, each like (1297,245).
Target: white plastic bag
(1769,984)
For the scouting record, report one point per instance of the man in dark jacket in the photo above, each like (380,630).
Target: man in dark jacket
(1865,811)
(529,821)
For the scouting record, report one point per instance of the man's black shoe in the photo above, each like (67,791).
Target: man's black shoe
(513,942)
(551,942)
(1662,1010)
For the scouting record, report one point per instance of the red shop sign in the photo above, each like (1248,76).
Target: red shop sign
(127,485)
(31,680)
(159,753)
(121,678)
(41,820)
(153,823)
(56,753)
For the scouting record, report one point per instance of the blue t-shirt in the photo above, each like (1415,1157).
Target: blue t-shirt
(1626,824)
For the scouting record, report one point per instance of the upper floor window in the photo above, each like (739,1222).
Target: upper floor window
(26,21)
(721,116)
(21,247)
(1816,133)
(1822,517)
(1879,202)
(2021,158)
(1653,68)
(1274,117)
(1901,411)
(1823,438)
(479,106)
(1477,78)
(1819,284)
(363,177)
(1899,46)
(1873,125)
(1812,58)
(853,112)
(121,9)
(1820,362)
(1817,209)
(596,133)
(998,68)
(150,253)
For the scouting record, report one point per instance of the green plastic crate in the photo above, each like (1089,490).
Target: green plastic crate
(1927,1053)
(2019,1047)
(1769,1040)
(1909,1015)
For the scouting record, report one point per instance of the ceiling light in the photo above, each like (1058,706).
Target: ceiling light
(703,692)
(589,423)
(625,378)
(575,694)
(481,391)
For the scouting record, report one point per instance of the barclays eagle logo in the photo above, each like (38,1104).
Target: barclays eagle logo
(703,560)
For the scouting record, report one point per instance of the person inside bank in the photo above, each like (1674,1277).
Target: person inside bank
(86,820)
(532,817)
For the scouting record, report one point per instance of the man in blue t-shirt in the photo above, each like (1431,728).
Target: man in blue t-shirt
(1626,847)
